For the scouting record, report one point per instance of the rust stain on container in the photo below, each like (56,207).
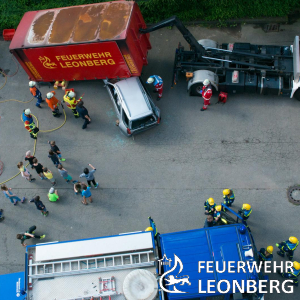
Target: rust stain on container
(114,20)
(63,25)
(41,26)
(87,26)
(87,23)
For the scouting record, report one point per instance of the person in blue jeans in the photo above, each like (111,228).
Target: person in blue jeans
(86,194)
(10,195)
(1,215)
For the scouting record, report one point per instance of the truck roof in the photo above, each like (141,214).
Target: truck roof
(72,25)
(220,243)
(88,268)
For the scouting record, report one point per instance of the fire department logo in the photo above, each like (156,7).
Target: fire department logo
(171,279)
(47,62)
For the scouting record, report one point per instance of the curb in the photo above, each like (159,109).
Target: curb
(277,20)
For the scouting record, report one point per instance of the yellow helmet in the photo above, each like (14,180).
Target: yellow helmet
(226,192)
(246,206)
(211,201)
(296,265)
(293,240)
(149,229)
(270,249)
(218,208)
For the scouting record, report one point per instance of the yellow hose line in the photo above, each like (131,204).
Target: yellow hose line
(37,124)
(17,100)
(34,149)
(5,80)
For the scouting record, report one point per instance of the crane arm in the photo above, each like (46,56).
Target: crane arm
(184,31)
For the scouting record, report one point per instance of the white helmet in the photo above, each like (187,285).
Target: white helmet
(206,82)
(27,111)
(71,94)
(50,95)
(32,83)
(150,80)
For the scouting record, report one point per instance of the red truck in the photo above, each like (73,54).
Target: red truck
(95,41)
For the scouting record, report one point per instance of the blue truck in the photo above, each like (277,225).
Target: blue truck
(140,265)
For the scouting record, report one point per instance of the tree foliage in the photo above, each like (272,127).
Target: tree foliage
(11,11)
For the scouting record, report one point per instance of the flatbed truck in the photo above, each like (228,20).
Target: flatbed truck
(235,68)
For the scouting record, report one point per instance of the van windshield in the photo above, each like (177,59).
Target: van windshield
(143,122)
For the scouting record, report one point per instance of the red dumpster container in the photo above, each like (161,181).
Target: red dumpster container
(94,41)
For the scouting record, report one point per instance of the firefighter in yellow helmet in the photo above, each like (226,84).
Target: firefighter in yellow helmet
(71,101)
(288,246)
(265,254)
(292,275)
(245,211)
(217,214)
(228,196)
(149,229)
(209,206)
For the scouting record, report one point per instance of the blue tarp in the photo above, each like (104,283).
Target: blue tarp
(222,243)
(11,286)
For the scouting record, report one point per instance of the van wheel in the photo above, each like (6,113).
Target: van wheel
(297,94)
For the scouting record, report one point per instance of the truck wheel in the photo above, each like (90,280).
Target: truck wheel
(297,94)
(195,89)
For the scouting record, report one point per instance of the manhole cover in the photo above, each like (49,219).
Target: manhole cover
(271,27)
(293,194)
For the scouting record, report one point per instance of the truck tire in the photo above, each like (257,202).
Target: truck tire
(297,94)
(197,87)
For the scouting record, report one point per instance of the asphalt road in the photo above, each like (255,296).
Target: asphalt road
(250,144)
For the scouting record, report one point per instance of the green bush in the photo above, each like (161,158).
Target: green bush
(11,11)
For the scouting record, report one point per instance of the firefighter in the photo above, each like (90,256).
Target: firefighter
(29,124)
(209,206)
(217,214)
(206,94)
(53,103)
(292,275)
(245,211)
(288,246)
(265,254)
(158,84)
(35,92)
(71,101)
(228,196)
